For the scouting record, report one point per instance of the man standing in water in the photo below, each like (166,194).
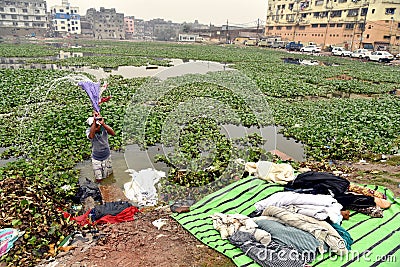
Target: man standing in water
(101,154)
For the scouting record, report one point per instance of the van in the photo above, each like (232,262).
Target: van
(278,44)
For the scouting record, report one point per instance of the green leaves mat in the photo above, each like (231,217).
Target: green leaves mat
(376,240)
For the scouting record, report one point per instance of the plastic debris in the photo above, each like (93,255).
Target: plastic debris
(160,223)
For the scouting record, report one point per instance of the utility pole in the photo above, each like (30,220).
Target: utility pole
(227,32)
(364,26)
(258,27)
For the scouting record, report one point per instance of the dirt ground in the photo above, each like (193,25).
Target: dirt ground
(140,243)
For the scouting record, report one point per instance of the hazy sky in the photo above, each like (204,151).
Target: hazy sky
(216,12)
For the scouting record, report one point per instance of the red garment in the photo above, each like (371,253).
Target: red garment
(104,99)
(124,216)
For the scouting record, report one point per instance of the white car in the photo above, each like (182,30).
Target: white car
(311,48)
(361,53)
(340,51)
(381,56)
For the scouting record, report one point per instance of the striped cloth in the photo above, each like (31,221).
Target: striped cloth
(375,239)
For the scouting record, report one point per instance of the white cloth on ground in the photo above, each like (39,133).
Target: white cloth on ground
(228,224)
(271,172)
(319,207)
(141,189)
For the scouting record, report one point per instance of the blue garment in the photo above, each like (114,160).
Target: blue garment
(344,234)
(290,236)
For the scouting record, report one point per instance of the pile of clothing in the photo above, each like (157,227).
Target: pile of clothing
(292,227)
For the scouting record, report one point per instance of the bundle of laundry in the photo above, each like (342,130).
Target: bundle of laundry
(318,183)
(228,224)
(271,172)
(371,206)
(110,212)
(369,202)
(87,189)
(320,207)
(271,255)
(286,235)
(321,230)
(141,189)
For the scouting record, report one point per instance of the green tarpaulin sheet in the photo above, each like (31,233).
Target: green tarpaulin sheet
(376,240)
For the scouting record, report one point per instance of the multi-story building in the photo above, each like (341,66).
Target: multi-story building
(139,29)
(106,23)
(349,23)
(65,19)
(23,17)
(129,26)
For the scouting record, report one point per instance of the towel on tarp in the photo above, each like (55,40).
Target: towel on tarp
(271,172)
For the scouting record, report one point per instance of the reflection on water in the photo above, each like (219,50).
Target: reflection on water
(274,140)
(178,67)
(3,162)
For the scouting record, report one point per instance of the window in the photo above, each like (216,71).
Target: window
(3,16)
(364,11)
(367,36)
(361,26)
(270,27)
(373,11)
(349,26)
(291,6)
(398,25)
(342,1)
(316,14)
(339,25)
(61,10)
(15,23)
(26,17)
(25,10)
(323,25)
(332,25)
(288,27)
(278,28)
(38,18)
(1,9)
(13,16)
(302,27)
(336,13)
(314,25)
(26,23)
(12,9)
(352,12)
(319,2)
(390,11)
(387,37)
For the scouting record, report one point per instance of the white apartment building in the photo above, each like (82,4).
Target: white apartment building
(65,19)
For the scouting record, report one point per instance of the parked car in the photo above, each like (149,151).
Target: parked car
(293,46)
(381,56)
(340,51)
(278,44)
(311,48)
(361,53)
(398,56)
